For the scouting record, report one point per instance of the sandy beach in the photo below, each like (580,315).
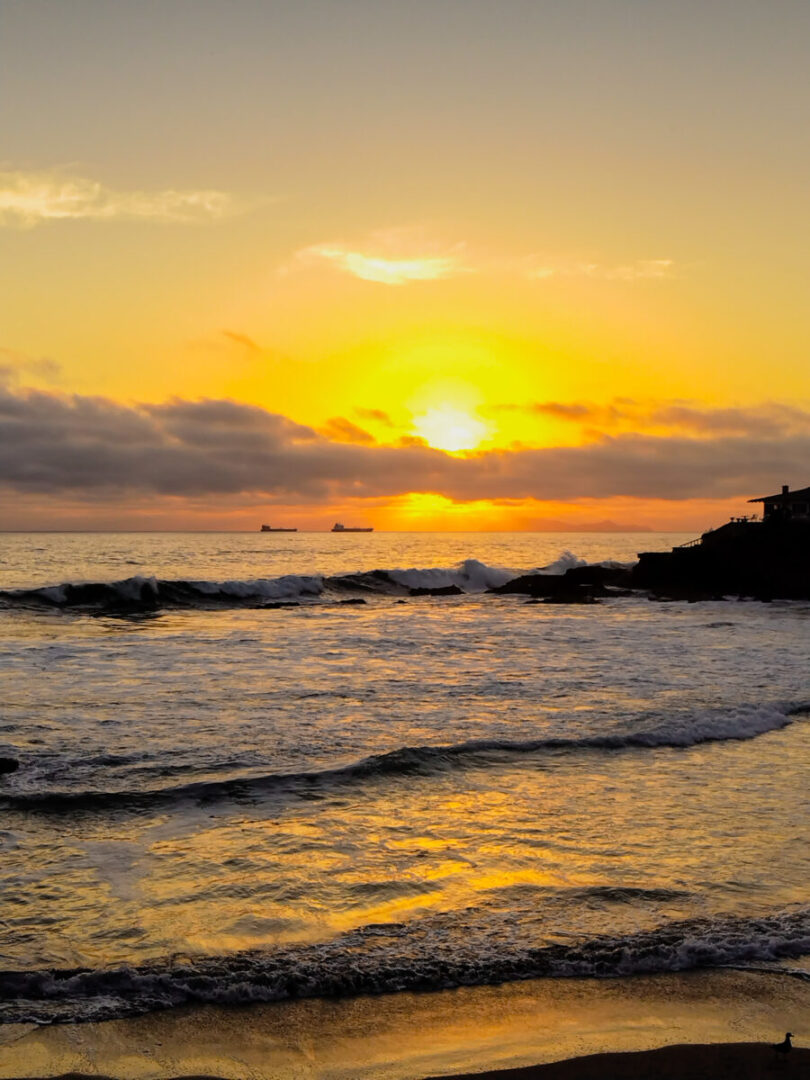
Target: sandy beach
(698,1024)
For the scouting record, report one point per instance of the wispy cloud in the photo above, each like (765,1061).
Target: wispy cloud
(389,257)
(376,416)
(641,269)
(28,199)
(340,429)
(16,365)
(765,420)
(402,256)
(243,340)
(385,271)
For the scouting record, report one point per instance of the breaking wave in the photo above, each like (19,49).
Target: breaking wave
(433,953)
(677,732)
(149,593)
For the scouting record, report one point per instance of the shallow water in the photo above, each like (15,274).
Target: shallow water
(224,802)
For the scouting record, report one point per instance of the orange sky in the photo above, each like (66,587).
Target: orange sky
(462,266)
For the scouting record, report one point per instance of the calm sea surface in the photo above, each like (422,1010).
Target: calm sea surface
(254,767)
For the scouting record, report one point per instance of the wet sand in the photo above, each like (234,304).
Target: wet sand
(709,1023)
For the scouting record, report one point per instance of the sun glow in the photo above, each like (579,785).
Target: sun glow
(447,427)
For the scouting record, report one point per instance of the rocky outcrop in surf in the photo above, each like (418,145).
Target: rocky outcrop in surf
(578,584)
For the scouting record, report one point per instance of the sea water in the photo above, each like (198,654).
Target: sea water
(255,767)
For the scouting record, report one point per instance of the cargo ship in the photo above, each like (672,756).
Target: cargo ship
(272,528)
(337,527)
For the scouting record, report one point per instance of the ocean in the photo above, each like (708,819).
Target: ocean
(256,767)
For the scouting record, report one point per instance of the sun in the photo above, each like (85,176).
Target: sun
(447,427)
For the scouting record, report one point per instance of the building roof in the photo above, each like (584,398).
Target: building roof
(785,496)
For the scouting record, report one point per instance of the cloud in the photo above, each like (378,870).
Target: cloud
(94,448)
(563,410)
(401,256)
(389,257)
(577,412)
(412,440)
(342,430)
(15,365)
(384,271)
(539,268)
(242,339)
(376,416)
(28,199)
(767,420)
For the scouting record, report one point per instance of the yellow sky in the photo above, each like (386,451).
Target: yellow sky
(493,231)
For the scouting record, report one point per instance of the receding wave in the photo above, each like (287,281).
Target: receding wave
(678,732)
(427,954)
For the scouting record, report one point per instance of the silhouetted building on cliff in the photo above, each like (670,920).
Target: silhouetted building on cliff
(765,559)
(788,506)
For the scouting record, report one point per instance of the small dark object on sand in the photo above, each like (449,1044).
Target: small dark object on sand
(8,764)
(784,1047)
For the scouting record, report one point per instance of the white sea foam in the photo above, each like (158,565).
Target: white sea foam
(469,576)
(286,587)
(468,948)
(566,561)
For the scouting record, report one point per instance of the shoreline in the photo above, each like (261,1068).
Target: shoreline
(689,1061)
(553,1029)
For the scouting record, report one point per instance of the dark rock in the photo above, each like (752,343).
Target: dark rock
(438,590)
(353,602)
(602,577)
(594,580)
(8,765)
(534,585)
(553,587)
(572,598)
(688,596)
(566,598)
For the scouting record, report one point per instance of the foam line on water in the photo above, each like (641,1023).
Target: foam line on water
(428,954)
(678,732)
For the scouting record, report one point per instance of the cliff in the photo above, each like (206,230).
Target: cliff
(762,559)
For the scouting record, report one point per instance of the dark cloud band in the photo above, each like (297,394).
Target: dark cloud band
(55,444)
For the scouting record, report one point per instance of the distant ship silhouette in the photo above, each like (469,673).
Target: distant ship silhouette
(337,527)
(272,528)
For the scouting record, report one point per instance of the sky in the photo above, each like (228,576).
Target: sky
(436,264)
